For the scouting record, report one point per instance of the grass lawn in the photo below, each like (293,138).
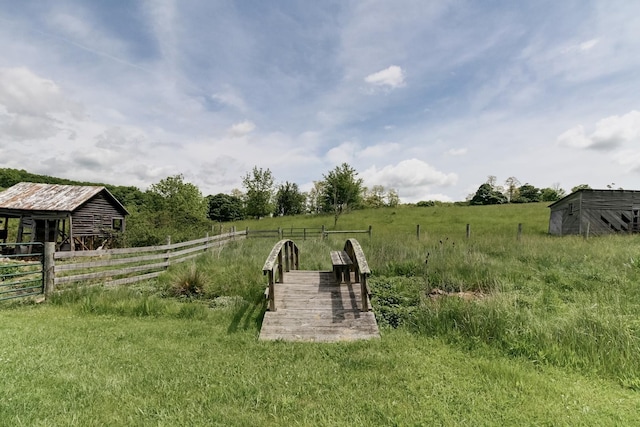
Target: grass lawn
(62,366)
(550,337)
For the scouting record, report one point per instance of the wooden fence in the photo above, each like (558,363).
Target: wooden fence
(468,231)
(112,267)
(300,232)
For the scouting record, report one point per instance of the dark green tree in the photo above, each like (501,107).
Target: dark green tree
(225,207)
(259,192)
(527,193)
(342,190)
(549,195)
(182,200)
(289,200)
(488,195)
(581,187)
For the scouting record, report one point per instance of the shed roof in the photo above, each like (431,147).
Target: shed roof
(29,196)
(591,190)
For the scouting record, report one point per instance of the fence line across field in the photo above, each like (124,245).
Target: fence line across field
(468,231)
(112,267)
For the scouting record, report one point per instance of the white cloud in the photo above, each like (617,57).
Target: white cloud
(242,128)
(457,151)
(23,92)
(392,77)
(343,153)
(34,107)
(610,133)
(413,178)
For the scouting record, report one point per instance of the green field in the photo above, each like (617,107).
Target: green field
(547,334)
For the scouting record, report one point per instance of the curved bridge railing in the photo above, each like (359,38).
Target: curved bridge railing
(284,256)
(360,268)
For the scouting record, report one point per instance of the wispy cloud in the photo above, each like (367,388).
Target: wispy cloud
(237,85)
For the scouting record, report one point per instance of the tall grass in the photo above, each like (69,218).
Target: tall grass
(568,302)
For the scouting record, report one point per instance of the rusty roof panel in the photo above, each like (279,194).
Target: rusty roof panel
(46,197)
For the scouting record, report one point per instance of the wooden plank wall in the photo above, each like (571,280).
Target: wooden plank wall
(84,218)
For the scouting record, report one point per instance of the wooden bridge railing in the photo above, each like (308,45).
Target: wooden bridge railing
(287,261)
(360,267)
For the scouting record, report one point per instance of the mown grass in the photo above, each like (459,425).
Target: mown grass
(548,336)
(67,364)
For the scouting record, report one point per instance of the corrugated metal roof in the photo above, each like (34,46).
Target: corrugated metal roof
(46,197)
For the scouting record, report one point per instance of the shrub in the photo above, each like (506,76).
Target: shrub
(187,282)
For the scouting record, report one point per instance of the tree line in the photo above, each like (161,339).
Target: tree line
(492,193)
(339,191)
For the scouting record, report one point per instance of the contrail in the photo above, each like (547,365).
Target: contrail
(82,47)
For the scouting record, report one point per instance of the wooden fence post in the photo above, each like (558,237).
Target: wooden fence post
(418,231)
(468,231)
(323,235)
(48,269)
(167,257)
(370,231)
(519,231)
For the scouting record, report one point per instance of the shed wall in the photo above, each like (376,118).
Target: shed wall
(94,216)
(599,211)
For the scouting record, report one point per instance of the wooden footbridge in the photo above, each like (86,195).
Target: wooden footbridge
(318,305)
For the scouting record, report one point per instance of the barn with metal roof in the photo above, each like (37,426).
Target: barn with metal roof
(75,217)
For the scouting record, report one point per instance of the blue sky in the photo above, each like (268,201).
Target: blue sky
(427,97)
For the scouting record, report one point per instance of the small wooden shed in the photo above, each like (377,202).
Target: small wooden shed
(75,217)
(596,212)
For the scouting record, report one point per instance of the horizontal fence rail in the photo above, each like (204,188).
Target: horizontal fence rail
(113,267)
(302,232)
(21,271)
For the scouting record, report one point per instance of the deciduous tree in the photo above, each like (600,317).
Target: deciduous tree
(259,192)
(182,200)
(289,200)
(342,190)
(225,207)
(487,195)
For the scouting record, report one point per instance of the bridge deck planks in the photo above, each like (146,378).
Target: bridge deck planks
(311,306)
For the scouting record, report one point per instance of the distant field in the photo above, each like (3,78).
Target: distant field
(548,334)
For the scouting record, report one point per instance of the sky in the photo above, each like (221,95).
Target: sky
(428,97)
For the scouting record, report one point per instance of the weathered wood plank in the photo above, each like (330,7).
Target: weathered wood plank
(312,307)
(126,251)
(109,273)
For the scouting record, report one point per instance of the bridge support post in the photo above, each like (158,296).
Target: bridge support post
(364,292)
(272,301)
